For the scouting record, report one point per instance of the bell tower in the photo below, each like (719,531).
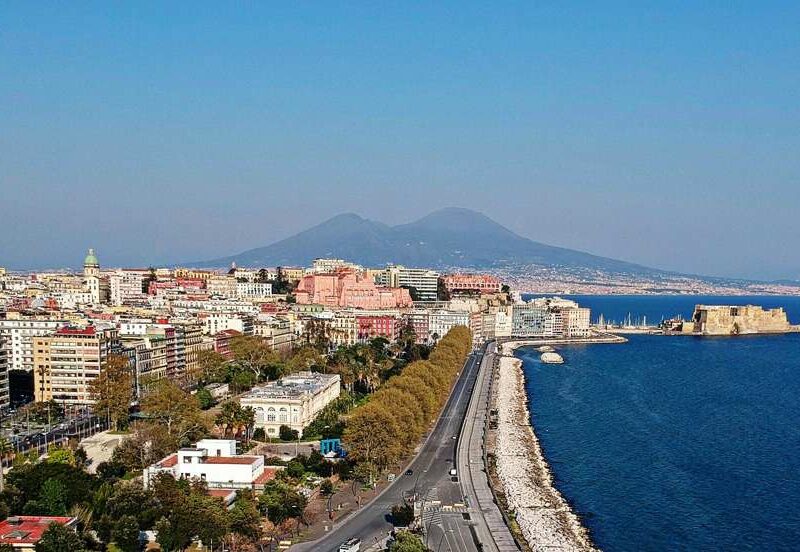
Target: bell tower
(91,273)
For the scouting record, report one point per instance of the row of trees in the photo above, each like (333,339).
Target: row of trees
(378,433)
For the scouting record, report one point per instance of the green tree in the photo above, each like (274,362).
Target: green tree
(175,408)
(210,366)
(402,515)
(126,534)
(326,488)
(57,538)
(287,434)
(149,442)
(253,354)
(407,542)
(53,498)
(295,469)
(204,398)
(279,502)
(5,451)
(245,518)
(59,455)
(112,390)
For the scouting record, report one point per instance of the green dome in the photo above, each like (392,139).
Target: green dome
(90,259)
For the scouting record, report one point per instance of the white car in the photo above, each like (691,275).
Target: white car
(351,545)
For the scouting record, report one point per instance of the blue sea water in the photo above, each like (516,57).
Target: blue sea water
(676,443)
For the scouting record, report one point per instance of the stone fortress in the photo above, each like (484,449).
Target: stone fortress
(737,320)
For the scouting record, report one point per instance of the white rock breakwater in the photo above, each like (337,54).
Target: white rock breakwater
(544,517)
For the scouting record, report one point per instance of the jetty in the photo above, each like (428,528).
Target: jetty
(520,478)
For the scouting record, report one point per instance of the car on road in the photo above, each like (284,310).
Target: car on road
(350,545)
(409,472)
(453,472)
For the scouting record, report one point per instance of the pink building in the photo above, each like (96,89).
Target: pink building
(350,289)
(482,283)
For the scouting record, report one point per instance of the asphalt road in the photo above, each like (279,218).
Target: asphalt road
(58,434)
(447,526)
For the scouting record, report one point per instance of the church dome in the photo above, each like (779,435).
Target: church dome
(91,259)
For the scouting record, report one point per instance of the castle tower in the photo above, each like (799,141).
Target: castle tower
(91,273)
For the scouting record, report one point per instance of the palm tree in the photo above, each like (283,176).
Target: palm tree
(5,449)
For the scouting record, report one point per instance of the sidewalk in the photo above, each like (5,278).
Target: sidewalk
(100,446)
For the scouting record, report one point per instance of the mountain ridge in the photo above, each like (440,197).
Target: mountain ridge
(446,238)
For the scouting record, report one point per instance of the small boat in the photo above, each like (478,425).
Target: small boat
(545,349)
(552,358)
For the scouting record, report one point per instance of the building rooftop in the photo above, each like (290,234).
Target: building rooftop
(293,386)
(231,459)
(28,529)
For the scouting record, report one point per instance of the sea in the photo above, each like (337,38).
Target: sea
(675,442)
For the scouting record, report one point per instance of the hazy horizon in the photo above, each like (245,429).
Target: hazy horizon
(158,134)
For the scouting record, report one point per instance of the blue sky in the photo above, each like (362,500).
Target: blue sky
(666,134)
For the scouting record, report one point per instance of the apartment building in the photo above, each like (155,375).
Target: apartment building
(127,286)
(442,321)
(424,281)
(67,362)
(383,325)
(224,286)
(215,322)
(18,335)
(276,332)
(5,397)
(471,283)
(550,317)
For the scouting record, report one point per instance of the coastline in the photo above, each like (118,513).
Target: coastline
(519,472)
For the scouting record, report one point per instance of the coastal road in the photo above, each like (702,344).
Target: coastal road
(448,528)
(488,523)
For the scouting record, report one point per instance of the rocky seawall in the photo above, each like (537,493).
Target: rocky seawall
(543,516)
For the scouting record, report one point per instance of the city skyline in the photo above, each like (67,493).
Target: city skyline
(665,136)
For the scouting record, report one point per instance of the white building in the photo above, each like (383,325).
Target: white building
(127,285)
(214,461)
(424,281)
(253,290)
(550,317)
(292,401)
(17,336)
(441,321)
(215,322)
(5,398)
(224,286)
(326,266)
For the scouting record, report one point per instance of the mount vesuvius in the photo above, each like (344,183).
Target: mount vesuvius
(451,237)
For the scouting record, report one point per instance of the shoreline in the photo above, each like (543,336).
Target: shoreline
(520,473)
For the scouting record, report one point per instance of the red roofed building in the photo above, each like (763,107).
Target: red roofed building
(23,532)
(214,461)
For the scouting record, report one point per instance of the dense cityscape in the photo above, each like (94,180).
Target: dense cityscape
(247,380)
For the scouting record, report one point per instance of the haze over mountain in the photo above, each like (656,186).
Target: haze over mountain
(450,237)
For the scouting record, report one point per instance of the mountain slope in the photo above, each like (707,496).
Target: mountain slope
(449,237)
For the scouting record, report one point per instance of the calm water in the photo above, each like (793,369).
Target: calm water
(657,307)
(676,443)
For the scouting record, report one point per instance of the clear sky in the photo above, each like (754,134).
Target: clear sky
(662,133)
